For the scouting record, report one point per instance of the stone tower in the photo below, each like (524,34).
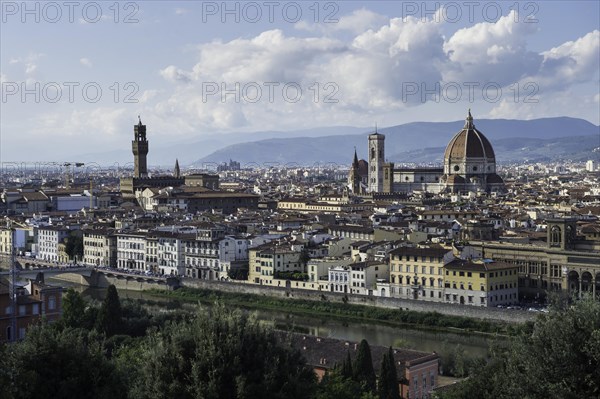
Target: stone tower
(376,158)
(139,146)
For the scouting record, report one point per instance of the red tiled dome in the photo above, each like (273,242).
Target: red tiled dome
(469,143)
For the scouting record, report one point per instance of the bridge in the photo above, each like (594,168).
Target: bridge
(90,275)
(31,273)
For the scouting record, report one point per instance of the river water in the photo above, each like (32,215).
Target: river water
(376,334)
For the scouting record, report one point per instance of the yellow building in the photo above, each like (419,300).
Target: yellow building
(5,241)
(273,264)
(480,282)
(418,273)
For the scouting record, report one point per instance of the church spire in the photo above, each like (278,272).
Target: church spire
(355,161)
(177,171)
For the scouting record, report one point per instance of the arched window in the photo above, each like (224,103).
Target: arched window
(555,235)
(373,153)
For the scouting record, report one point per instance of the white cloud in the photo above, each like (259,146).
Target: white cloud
(369,74)
(96,122)
(147,95)
(85,62)
(29,62)
(181,11)
(175,75)
(30,68)
(572,62)
(491,52)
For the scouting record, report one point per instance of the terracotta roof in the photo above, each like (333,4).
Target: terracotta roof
(469,143)
(327,352)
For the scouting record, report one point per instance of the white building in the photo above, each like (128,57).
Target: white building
(48,238)
(364,276)
(131,251)
(591,166)
(170,253)
(339,279)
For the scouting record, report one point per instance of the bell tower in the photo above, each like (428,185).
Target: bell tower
(139,146)
(376,158)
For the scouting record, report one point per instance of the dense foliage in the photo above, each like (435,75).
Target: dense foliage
(121,350)
(74,245)
(560,359)
(125,352)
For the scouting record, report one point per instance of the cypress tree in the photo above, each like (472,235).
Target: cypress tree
(387,387)
(383,385)
(109,319)
(363,367)
(394,389)
(347,366)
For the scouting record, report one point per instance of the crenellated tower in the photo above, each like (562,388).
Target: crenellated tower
(139,146)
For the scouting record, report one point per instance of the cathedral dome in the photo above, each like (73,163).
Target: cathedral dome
(469,143)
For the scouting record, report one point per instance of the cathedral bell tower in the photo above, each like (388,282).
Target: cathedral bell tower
(376,160)
(139,146)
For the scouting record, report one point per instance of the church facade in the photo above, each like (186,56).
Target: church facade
(469,166)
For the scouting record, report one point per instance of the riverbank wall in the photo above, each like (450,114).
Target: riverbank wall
(492,314)
(100,279)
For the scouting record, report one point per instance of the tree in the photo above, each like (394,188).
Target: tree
(74,245)
(363,367)
(387,386)
(221,353)
(110,319)
(54,363)
(335,386)
(347,366)
(73,309)
(559,359)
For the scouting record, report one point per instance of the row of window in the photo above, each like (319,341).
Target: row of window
(415,269)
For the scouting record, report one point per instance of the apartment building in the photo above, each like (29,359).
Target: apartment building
(273,264)
(99,247)
(481,282)
(131,251)
(418,272)
(48,239)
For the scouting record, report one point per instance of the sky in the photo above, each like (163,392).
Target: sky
(76,75)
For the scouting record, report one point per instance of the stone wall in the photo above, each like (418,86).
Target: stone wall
(492,314)
(100,279)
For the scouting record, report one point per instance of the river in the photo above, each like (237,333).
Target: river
(375,334)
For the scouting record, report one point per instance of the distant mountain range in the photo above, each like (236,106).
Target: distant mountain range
(544,139)
(189,151)
(419,142)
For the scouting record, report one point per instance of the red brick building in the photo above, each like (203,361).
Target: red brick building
(34,300)
(417,372)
